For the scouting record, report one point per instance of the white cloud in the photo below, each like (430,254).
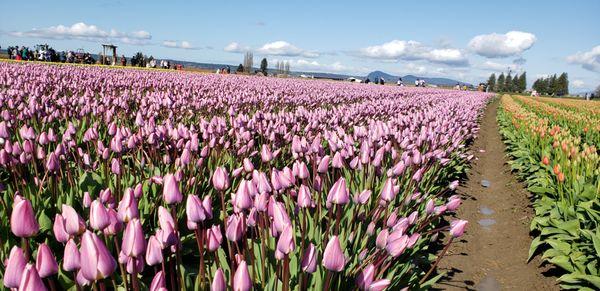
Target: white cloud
(578,84)
(413,50)
(235,47)
(181,45)
(283,48)
(496,45)
(86,32)
(276,48)
(494,66)
(589,60)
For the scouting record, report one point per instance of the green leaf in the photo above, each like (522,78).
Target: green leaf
(534,246)
(563,262)
(90,182)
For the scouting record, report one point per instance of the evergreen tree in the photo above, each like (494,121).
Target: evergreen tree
(515,84)
(508,83)
(500,83)
(263,66)
(492,82)
(551,86)
(523,82)
(536,86)
(240,68)
(562,85)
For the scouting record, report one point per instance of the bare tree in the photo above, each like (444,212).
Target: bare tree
(286,68)
(248,62)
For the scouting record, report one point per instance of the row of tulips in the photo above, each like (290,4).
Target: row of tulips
(562,171)
(116,178)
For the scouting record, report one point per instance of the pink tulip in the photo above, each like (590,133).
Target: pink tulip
(52,163)
(248,166)
(96,261)
(387,192)
(333,256)
(365,277)
(74,224)
(115,225)
(381,240)
(99,218)
(453,204)
(429,206)
(220,179)
(30,280)
(87,200)
(22,219)
(219,283)
(194,209)
(242,196)
(60,232)
(71,257)
(323,165)
(396,244)
(134,243)
(339,193)
(235,227)
(304,197)
(171,193)
(457,228)
(379,285)
(241,279)
(14,268)
(214,238)
(159,282)
(45,262)
(134,265)
(128,207)
(309,259)
(285,244)
(154,254)
(362,197)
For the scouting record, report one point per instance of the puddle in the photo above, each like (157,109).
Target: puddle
(487,222)
(485,183)
(486,210)
(488,283)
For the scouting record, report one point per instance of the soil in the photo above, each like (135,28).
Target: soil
(492,255)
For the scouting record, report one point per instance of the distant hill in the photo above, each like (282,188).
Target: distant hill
(410,79)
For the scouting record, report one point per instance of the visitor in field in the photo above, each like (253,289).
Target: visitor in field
(399,83)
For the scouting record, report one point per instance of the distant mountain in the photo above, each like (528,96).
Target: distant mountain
(410,79)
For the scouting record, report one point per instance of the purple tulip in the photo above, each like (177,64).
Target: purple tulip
(304,197)
(214,238)
(60,232)
(22,219)
(285,244)
(45,262)
(14,268)
(235,227)
(219,283)
(194,209)
(333,256)
(241,279)
(96,261)
(154,254)
(128,207)
(171,193)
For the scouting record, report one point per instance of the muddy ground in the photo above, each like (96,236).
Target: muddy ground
(493,252)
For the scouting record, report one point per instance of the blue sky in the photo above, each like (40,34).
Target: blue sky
(466,40)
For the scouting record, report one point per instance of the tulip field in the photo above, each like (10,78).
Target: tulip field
(125,179)
(553,145)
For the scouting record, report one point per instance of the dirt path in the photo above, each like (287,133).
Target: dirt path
(492,254)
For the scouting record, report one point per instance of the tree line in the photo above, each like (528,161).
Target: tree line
(552,85)
(508,83)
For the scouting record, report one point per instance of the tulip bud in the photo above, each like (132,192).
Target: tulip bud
(214,238)
(134,243)
(14,268)
(235,227)
(285,244)
(457,228)
(74,224)
(304,197)
(99,218)
(218,283)
(365,277)
(339,193)
(158,282)
(128,207)
(45,262)
(380,285)
(115,225)
(194,210)
(333,256)
(96,261)
(171,193)
(387,192)
(241,279)
(22,219)
(60,232)
(71,257)
(220,179)
(153,252)
(309,259)
(30,280)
